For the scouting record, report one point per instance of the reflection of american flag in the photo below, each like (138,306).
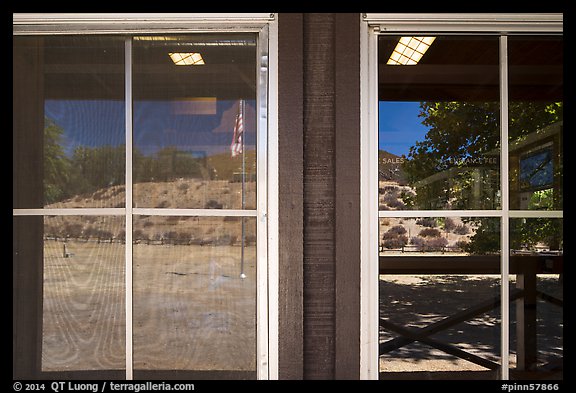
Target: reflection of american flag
(236,145)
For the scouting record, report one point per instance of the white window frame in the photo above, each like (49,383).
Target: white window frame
(373,25)
(266,212)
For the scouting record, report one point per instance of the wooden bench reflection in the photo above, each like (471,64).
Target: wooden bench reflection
(525,267)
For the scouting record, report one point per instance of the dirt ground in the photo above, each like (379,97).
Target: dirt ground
(415,301)
(191,309)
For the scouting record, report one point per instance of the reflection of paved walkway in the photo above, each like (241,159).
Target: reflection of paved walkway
(413,302)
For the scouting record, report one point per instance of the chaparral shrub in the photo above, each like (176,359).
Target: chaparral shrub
(429,232)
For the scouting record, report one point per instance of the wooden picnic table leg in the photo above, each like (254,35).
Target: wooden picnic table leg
(526,350)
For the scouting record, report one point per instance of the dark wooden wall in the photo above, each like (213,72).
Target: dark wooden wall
(27,231)
(319,144)
(290,204)
(347,191)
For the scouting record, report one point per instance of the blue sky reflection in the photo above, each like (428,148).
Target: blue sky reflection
(399,126)
(157,124)
(88,123)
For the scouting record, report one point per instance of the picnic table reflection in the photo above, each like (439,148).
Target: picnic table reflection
(525,293)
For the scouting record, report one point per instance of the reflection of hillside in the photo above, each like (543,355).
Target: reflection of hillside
(393,196)
(182,193)
(390,167)
(194,194)
(227,168)
(176,230)
(405,235)
(467,183)
(95,170)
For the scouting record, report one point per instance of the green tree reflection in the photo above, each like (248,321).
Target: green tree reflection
(456,165)
(56,164)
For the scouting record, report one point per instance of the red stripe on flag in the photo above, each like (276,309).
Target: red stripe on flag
(236,145)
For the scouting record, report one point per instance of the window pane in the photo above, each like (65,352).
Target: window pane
(439,126)
(537,328)
(194,132)
(536,122)
(69,122)
(83,325)
(195,295)
(190,148)
(439,308)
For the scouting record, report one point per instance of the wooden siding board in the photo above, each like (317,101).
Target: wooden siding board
(328,180)
(319,201)
(347,193)
(291,216)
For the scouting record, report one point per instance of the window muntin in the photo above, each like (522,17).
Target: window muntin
(195,294)
(186,119)
(537,318)
(439,281)
(544,162)
(439,126)
(91,205)
(80,82)
(536,122)
(83,325)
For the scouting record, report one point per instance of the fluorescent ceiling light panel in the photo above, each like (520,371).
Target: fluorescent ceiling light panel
(187,58)
(410,50)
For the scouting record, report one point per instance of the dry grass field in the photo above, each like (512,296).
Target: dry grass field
(191,309)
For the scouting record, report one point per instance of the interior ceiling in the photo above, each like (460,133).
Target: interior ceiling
(467,68)
(93,68)
(454,68)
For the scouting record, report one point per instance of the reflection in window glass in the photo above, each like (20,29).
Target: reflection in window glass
(536,267)
(194,146)
(80,82)
(439,126)
(536,122)
(83,325)
(195,124)
(195,294)
(439,283)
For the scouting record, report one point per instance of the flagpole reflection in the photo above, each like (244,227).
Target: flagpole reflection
(241,122)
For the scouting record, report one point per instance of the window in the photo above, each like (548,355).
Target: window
(462,198)
(140,199)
